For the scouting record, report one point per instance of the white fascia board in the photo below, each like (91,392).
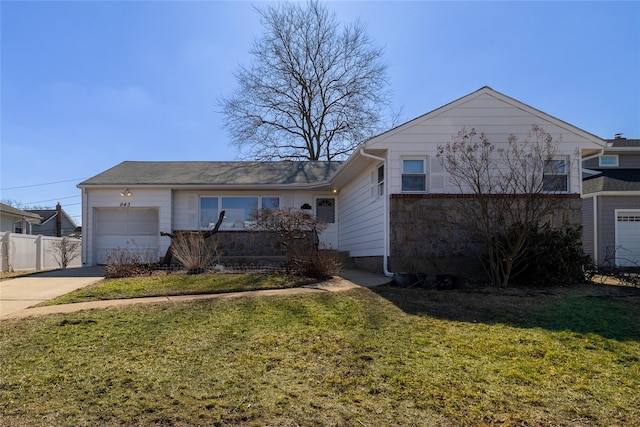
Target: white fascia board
(612,193)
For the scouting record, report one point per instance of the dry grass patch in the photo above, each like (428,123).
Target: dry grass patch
(393,357)
(178,284)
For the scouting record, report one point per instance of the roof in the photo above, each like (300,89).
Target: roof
(19,213)
(624,143)
(46,214)
(197,173)
(49,214)
(612,180)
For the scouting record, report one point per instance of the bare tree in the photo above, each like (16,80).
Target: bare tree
(313,91)
(512,189)
(65,250)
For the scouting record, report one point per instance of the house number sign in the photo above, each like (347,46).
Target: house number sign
(125,204)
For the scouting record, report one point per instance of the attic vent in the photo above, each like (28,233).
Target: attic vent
(618,136)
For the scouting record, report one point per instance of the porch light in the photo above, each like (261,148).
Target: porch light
(125,193)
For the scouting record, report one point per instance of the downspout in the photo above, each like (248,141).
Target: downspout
(385,256)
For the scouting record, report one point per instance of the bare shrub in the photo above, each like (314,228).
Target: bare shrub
(513,184)
(308,261)
(292,227)
(121,262)
(194,252)
(65,250)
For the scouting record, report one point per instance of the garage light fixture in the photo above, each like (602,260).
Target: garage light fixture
(125,193)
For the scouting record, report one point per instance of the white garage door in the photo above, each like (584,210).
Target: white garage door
(628,239)
(132,230)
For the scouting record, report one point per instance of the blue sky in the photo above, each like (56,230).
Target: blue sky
(86,85)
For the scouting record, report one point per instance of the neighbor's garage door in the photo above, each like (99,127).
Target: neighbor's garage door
(132,229)
(628,239)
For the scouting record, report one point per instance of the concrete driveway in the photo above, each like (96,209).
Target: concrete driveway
(22,292)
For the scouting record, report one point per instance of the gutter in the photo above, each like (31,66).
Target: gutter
(385,256)
(594,156)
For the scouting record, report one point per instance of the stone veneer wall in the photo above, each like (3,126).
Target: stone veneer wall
(425,239)
(251,246)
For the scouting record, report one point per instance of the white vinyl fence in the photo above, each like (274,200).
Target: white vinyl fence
(29,252)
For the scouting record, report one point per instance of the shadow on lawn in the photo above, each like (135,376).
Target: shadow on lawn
(608,311)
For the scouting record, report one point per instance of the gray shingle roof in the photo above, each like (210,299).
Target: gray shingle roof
(624,143)
(215,173)
(612,180)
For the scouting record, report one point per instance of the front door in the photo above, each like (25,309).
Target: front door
(326,211)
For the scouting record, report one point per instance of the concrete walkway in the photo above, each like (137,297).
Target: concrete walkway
(18,295)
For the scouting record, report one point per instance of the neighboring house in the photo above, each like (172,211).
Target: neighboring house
(16,220)
(611,193)
(383,204)
(55,222)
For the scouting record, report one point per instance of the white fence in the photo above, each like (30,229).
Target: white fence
(29,252)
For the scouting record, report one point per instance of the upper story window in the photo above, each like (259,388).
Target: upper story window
(381,181)
(238,210)
(556,176)
(608,160)
(414,175)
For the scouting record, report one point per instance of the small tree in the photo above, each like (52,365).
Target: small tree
(65,250)
(512,190)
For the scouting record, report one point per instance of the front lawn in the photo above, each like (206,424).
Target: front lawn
(382,357)
(178,284)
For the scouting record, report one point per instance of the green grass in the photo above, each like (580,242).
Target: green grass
(389,357)
(178,284)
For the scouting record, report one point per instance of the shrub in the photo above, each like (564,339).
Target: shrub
(65,250)
(194,252)
(121,262)
(307,261)
(552,256)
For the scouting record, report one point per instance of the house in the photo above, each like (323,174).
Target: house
(16,220)
(611,193)
(381,204)
(55,222)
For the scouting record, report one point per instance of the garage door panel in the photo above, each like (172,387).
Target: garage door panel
(134,230)
(628,239)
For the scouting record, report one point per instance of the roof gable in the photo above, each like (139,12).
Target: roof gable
(497,103)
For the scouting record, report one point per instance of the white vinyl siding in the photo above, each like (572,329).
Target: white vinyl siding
(496,118)
(361,218)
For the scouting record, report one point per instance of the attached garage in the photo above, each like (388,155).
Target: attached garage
(628,238)
(132,229)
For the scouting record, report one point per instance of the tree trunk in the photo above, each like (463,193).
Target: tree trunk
(168,257)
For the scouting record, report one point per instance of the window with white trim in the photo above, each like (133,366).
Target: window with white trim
(380,181)
(608,160)
(556,175)
(414,175)
(239,210)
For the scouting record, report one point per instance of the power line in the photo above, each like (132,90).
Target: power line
(53,200)
(40,185)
